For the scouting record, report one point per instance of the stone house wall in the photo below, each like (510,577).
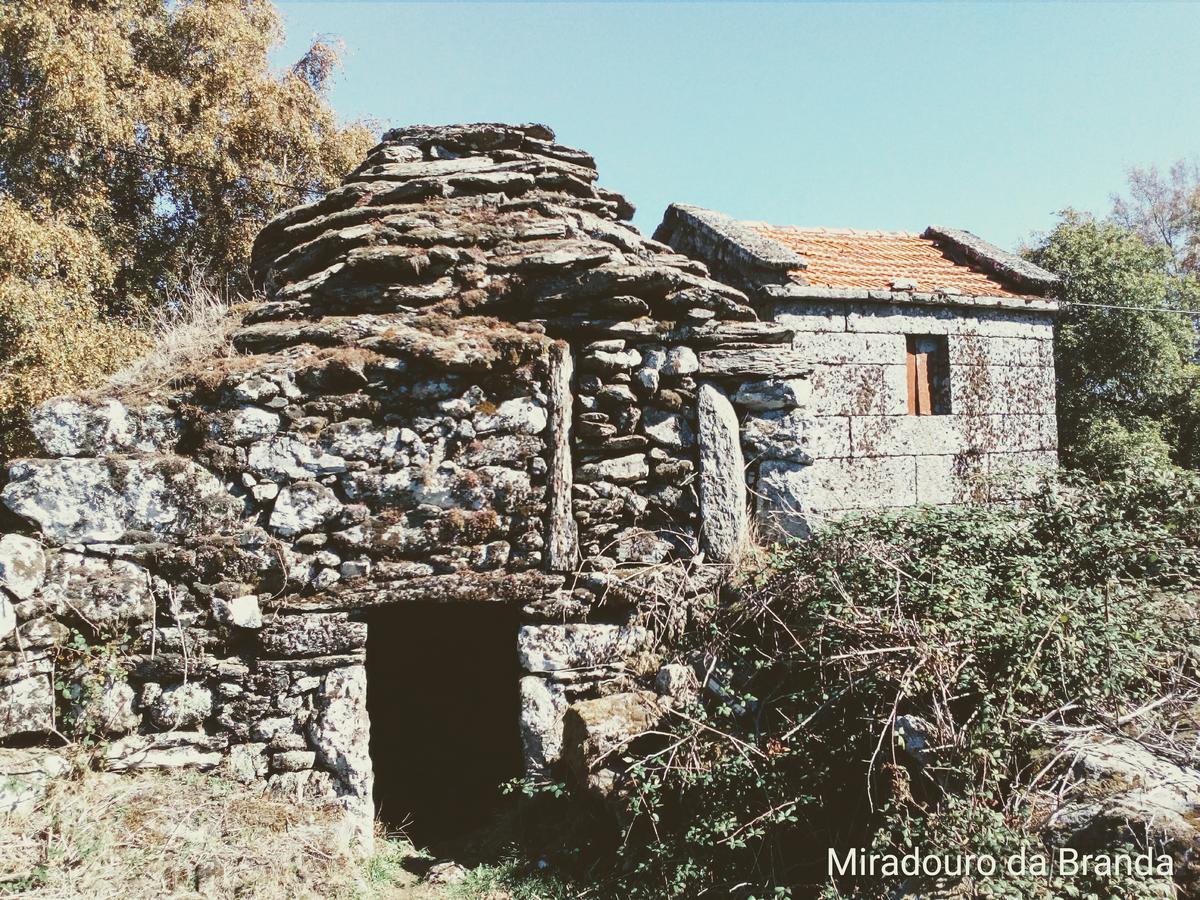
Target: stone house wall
(869,452)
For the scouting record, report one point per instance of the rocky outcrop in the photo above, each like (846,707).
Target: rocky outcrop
(1119,792)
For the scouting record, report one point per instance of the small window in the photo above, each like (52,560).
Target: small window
(928,375)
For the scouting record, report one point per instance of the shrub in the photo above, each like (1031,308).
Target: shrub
(1108,448)
(989,627)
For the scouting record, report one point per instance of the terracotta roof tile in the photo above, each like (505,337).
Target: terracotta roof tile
(844,258)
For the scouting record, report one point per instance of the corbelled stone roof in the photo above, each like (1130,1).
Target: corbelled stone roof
(469,220)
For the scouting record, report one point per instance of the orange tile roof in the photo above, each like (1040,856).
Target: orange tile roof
(844,258)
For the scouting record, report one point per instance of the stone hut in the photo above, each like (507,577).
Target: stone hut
(483,450)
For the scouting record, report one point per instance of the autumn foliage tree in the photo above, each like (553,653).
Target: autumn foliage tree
(142,145)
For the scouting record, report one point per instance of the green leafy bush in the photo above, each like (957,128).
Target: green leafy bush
(993,627)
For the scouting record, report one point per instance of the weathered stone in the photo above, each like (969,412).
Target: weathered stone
(255,389)
(773,362)
(788,435)
(68,426)
(640,545)
(312,635)
(840,349)
(307,787)
(724,518)
(562,532)
(114,711)
(178,749)
(340,730)
(284,458)
(616,395)
(361,439)
(543,703)
(620,470)
(246,763)
(565,648)
(241,612)
(681,361)
(302,507)
(22,566)
(250,423)
(44,631)
(8,617)
(109,593)
(678,682)
(25,776)
(521,415)
(796,496)
(667,429)
(181,707)
(271,729)
(1124,788)
(446,873)
(26,706)
(95,500)
(761,395)
(609,361)
(293,760)
(595,729)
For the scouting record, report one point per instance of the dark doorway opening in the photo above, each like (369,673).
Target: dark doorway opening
(442,693)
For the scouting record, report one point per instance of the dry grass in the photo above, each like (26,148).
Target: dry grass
(188,334)
(183,834)
(100,835)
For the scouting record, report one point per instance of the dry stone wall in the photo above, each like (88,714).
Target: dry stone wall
(470,381)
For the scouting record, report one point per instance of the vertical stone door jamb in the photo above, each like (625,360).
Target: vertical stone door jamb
(724,521)
(562,534)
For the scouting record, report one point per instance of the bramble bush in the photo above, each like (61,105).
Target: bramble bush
(990,626)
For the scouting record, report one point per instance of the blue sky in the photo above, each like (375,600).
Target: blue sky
(986,116)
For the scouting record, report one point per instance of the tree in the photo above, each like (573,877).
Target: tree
(143,143)
(1125,377)
(1165,210)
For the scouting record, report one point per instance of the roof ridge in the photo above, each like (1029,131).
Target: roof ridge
(832,231)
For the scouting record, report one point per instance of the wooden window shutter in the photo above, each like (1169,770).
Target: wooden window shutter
(912,379)
(928,375)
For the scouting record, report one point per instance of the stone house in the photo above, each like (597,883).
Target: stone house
(927,364)
(483,452)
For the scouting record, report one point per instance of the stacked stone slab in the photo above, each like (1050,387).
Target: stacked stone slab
(470,381)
